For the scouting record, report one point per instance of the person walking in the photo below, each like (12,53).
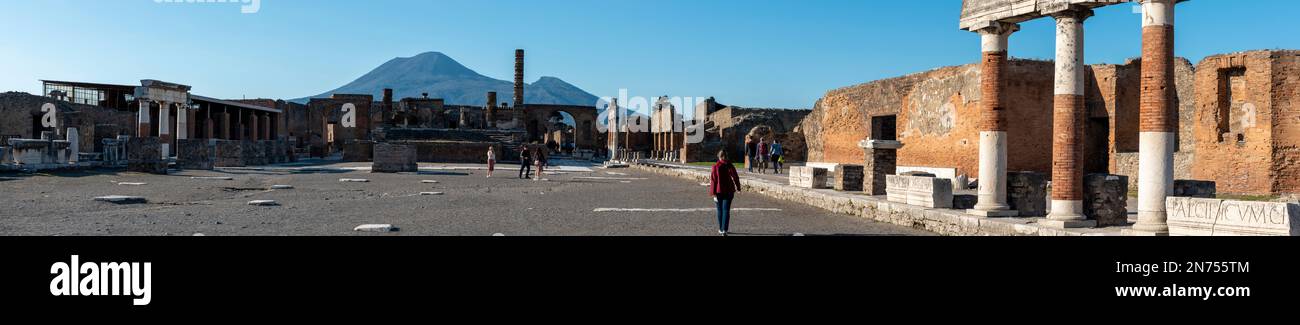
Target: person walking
(762,155)
(723,185)
(492,160)
(541,163)
(777,153)
(525,163)
(749,154)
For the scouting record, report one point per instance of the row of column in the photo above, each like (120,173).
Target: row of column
(1069,115)
(259,125)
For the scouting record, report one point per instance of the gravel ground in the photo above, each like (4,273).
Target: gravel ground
(473,205)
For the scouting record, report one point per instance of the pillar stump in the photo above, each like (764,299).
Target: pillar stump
(881,161)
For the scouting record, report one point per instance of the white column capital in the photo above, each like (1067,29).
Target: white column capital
(996,36)
(1158,12)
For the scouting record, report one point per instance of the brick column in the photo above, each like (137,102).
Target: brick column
(1155,160)
(143,128)
(882,160)
(490,112)
(1068,123)
(993,123)
(252,127)
(225,124)
(266,126)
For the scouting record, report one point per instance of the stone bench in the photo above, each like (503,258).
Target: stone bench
(927,192)
(1215,217)
(808,177)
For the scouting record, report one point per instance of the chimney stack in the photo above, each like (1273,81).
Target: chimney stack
(519,77)
(491,113)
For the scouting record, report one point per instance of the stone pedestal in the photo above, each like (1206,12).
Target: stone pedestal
(194,154)
(930,192)
(1105,199)
(145,155)
(808,177)
(881,161)
(394,158)
(848,178)
(1027,193)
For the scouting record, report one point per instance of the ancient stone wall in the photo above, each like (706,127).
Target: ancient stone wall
(394,158)
(18,111)
(1233,127)
(1286,121)
(937,116)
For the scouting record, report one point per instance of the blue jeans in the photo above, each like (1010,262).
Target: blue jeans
(724,211)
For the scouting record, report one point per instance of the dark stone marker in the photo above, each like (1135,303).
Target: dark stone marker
(1027,193)
(1105,199)
(145,155)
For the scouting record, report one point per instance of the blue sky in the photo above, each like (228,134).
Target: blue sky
(757,53)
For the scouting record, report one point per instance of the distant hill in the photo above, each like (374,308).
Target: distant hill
(442,77)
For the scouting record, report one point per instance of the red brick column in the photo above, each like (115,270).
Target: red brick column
(1068,118)
(993,122)
(1157,124)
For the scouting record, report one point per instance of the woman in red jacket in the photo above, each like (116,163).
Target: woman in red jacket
(723,185)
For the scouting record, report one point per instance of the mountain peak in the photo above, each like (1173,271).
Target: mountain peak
(441,76)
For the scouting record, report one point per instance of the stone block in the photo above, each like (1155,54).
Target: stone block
(1196,189)
(145,155)
(229,154)
(927,192)
(1027,193)
(1215,217)
(848,178)
(808,177)
(394,158)
(194,154)
(358,151)
(1105,199)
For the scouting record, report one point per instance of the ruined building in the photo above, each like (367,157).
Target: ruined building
(1229,119)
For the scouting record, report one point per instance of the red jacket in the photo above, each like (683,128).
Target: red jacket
(723,179)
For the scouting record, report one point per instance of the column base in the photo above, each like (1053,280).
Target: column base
(993,213)
(1068,224)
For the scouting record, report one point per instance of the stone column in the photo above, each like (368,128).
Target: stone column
(182,123)
(143,128)
(266,127)
(490,112)
(882,160)
(253,129)
(993,123)
(1068,123)
(164,128)
(225,124)
(74,145)
(1156,146)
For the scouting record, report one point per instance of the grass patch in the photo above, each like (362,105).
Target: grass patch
(1252,198)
